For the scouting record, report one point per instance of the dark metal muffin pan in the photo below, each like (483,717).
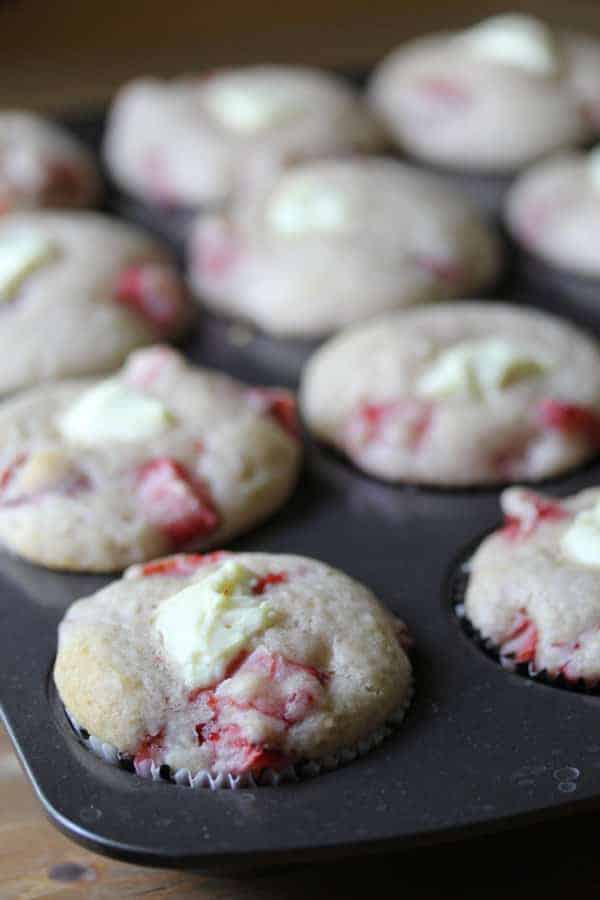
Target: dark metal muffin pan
(481,748)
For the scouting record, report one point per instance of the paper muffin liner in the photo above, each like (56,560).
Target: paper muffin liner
(492,650)
(304,769)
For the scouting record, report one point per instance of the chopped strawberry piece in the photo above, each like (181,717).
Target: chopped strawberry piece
(521,643)
(144,367)
(404,637)
(181,507)
(539,509)
(447,271)
(284,691)
(570,419)
(510,460)
(279,404)
(154,169)
(263,582)
(445,93)
(182,563)
(371,420)
(149,747)
(538,214)
(8,473)
(152,290)
(215,252)
(237,754)
(290,687)
(511,527)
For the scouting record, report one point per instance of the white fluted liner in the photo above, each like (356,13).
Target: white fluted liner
(268,777)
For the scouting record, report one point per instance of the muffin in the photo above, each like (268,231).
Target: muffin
(491,99)
(97,474)
(41,165)
(213,670)
(332,242)
(552,214)
(533,593)
(196,141)
(78,292)
(457,395)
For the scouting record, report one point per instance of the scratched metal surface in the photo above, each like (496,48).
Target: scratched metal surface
(480,749)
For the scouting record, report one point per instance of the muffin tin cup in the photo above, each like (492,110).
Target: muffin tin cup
(492,650)
(486,190)
(229,781)
(559,291)
(169,223)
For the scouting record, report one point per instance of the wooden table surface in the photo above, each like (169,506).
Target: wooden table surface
(64,55)
(550,862)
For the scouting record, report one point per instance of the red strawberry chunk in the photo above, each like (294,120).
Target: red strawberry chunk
(509,460)
(181,507)
(144,367)
(539,509)
(444,93)
(182,563)
(235,753)
(152,290)
(570,419)
(264,581)
(284,693)
(371,421)
(148,748)
(154,168)
(288,688)
(538,214)
(215,252)
(9,472)
(279,404)
(448,271)
(521,643)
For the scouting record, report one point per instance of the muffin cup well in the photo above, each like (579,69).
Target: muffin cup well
(492,650)
(168,223)
(486,190)
(558,290)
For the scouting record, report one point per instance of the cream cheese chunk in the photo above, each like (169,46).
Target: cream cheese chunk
(581,541)
(205,626)
(248,107)
(112,411)
(516,40)
(21,253)
(305,203)
(476,368)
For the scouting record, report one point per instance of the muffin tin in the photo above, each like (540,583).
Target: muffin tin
(481,748)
